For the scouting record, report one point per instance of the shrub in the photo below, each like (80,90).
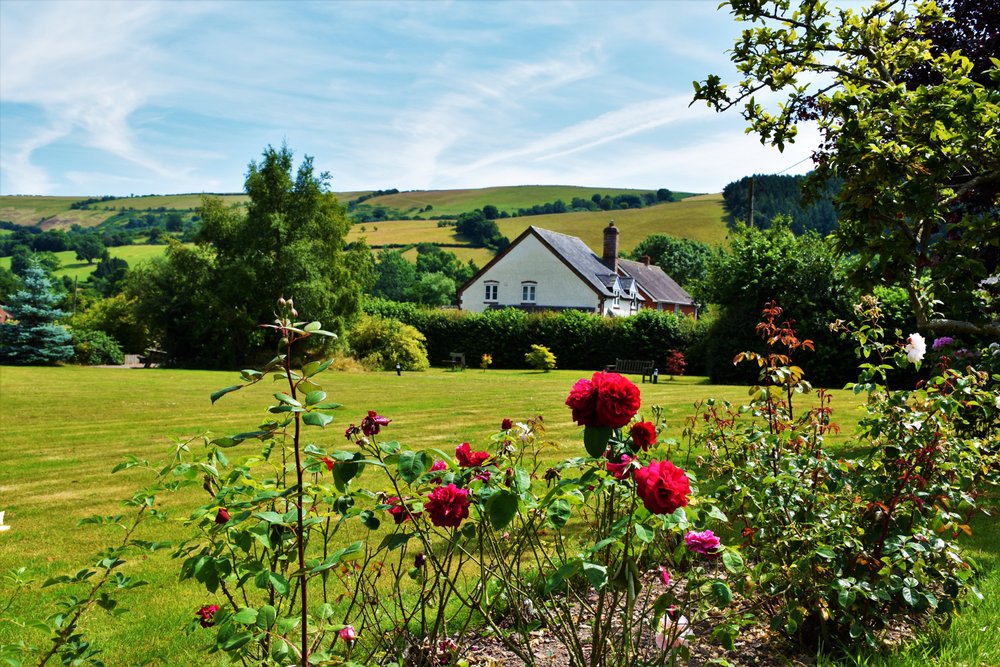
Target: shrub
(380,343)
(675,363)
(95,348)
(540,358)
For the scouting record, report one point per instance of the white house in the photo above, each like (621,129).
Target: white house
(546,270)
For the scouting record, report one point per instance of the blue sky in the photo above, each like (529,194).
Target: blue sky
(147,97)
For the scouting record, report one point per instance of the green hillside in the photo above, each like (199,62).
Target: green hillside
(505,198)
(698,217)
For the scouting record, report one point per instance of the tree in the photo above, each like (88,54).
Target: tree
(490,212)
(89,247)
(802,274)
(33,338)
(434,289)
(908,124)
(684,260)
(395,276)
(664,195)
(288,241)
(109,275)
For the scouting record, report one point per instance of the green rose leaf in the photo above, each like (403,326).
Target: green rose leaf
(314,397)
(413,464)
(558,512)
(317,419)
(246,616)
(595,439)
(266,616)
(720,590)
(732,560)
(216,395)
(501,509)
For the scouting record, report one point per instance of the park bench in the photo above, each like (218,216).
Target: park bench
(152,356)
(633,366)
(455,362)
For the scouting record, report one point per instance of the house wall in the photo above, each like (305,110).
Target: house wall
(556,286)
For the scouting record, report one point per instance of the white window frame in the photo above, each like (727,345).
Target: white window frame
(493,287)
(529,291)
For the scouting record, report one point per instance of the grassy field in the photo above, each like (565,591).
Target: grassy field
(80,270)
(506,198)
(700,218)
(63,429)
(51,212)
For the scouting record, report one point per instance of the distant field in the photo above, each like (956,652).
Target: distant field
(480,255)
(75,269)
(508,198)
(192,200)
(55,211)
(699,218)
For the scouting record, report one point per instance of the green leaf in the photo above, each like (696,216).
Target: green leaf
(246,616)
(316,367)
(502,508)
(279,583)
(556,579)
(266,616)
(222,392)
(317,419)
(732,560)
(271,517)
(644,534)
(413,464)
(285,398)
(312,326)
(826,552)
(558,512)
(236,641)
(596,574)
(394,541)
(314,397)
(595,440)
(722,593)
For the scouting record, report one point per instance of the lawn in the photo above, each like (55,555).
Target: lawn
(80,270)
(62,429)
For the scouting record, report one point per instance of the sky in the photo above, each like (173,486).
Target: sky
(120,98)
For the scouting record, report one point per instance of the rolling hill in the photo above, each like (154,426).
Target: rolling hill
(698,217)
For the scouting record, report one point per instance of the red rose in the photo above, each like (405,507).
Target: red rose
(621,469)
(447,506)
(222,516)
(582,401)
(205,615)
(468,458)
(617,399)
(643,435)
(662,486)
(370,425)
(506,425)
(606,399)
(398,510)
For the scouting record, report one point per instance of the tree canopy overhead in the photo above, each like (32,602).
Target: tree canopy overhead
(910,124)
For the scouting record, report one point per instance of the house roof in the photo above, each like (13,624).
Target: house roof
(578,256)
(656,283)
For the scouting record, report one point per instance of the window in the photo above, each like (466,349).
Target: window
(527,292)
(491,292)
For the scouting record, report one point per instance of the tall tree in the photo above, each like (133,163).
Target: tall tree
(684,260)
(33,337)
(288,241)
(910,127)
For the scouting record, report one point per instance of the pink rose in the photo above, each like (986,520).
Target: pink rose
(705,543)
(206,614)
(348,634)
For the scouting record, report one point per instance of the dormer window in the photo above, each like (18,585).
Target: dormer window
(492,289)
(528,291)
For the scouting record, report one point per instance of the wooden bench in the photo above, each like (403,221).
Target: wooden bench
(152,356)
(456,361)
(633,366)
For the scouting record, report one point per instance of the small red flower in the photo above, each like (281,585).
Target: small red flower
(506,425)
(328,462)
(398,510)
(643,435)
(371,424)
(439,465)
(205,615)
(622,469)
(448,506)
(662,486)
(348,634)
(351,431)
(468,458)
(222,516)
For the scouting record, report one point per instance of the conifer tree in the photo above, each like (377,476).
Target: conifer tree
(32,337)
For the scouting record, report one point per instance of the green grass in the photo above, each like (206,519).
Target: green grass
(505,198)
(51,212)
(62,430)
(700,218)
(70,266)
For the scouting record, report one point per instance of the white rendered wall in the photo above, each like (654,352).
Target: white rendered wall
(556,286)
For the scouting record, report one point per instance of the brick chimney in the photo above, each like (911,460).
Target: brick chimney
(645,260)
(610,258)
